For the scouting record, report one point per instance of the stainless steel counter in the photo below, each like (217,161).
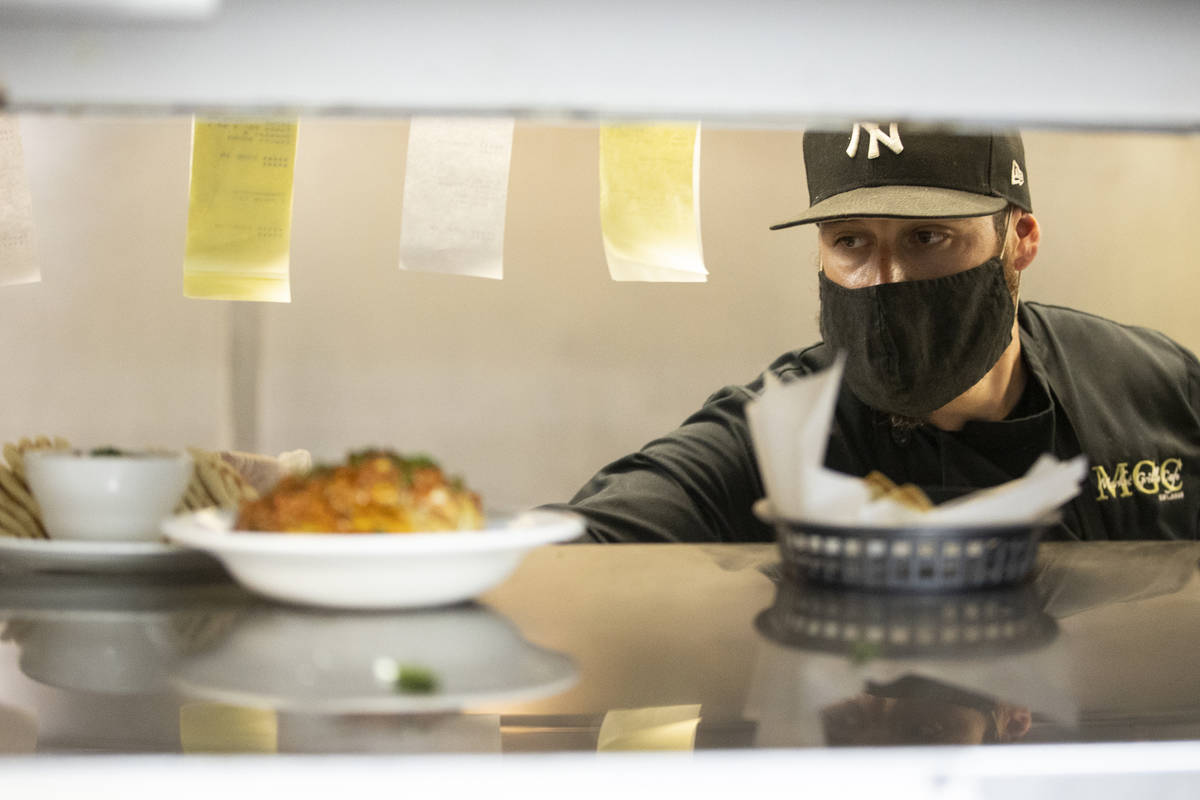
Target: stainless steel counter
(591,647)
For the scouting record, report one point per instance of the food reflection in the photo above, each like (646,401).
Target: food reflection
(149,666)
(841,668)
(18,731)
(115,638)
(863,625)
(319,662)
(916,710)
(105,645)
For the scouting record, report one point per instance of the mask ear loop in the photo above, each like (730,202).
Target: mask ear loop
(1012,282)
(1004,236)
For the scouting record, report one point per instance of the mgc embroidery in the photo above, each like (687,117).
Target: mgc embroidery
(1164,479)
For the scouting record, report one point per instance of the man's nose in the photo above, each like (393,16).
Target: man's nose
(888,268)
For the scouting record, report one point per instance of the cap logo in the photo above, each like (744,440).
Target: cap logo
(890,140)
(1018,177)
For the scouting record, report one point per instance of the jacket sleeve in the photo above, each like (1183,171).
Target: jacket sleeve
(695,484)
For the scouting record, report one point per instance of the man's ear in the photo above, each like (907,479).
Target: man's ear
(1028,235)
(1012,722)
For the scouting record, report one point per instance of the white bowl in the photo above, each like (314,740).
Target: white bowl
(372,570)
(106,498)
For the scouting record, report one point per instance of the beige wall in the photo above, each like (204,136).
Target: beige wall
(526,385)
(106,349)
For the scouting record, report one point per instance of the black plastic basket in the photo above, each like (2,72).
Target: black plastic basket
(911,558)
(907,625)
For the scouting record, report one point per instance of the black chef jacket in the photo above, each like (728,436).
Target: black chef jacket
(1125,396)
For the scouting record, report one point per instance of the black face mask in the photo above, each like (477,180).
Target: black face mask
(916,687)
(914,346)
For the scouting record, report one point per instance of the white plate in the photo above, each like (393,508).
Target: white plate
(372,570)
(60,555)
(338,663)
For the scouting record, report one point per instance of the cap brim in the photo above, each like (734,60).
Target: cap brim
(899,201)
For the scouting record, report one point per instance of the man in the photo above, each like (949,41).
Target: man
(917,710)
(950,383)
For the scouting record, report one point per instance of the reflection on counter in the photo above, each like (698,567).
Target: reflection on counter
(218,728)
(88,657)
(862,625)
(1055,659)
(1073,579)
(671,642)
(150,665)
(111,636)
(326,662)
(301,732)
(654,728)
(108,654)
(914,710)
(18,731)
(855,668)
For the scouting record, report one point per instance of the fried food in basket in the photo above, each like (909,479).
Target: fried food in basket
(376,491)
(909,495)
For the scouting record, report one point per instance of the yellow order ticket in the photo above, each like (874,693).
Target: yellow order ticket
(240,211)
(653,728)
(17,261)
(220,728)
(650,202)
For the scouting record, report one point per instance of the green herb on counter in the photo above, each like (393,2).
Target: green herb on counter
(862,652)
(416,680)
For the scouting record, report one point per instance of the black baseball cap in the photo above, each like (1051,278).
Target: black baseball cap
(894,170)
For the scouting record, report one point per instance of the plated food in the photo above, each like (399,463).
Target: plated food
(372,570)
(20,514)
(329,538)
(213,483)
(374,491)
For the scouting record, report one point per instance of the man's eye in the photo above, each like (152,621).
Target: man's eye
(929,730)
(929,237)
(847,240)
